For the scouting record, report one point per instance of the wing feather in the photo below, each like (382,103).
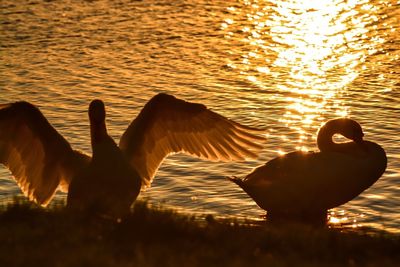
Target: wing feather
(168,125)
(39,158)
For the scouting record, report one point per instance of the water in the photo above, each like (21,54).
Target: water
(287,66)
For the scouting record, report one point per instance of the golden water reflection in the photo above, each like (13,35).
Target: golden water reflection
(339,219)
(307,52)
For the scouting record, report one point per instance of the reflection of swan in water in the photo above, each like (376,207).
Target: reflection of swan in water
(304,185)
(42,161)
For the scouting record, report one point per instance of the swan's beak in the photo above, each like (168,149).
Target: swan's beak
(359,140)
(361,143)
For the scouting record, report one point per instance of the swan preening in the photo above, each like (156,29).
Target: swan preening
(42,161)
(304,185)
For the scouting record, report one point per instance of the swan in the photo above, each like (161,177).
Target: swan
(42,161)
(304,185)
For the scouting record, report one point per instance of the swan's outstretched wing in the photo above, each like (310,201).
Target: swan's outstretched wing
(39,158)
(169,125)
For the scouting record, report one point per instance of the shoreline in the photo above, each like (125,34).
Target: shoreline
(154,236)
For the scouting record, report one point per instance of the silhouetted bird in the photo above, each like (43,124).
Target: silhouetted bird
(304,185)
(42,161)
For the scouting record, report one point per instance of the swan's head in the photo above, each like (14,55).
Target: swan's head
(350,129)
(97,112)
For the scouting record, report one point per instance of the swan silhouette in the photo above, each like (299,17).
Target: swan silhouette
(42,161)
(304,185)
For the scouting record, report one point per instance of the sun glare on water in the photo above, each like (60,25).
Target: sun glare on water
(311,50)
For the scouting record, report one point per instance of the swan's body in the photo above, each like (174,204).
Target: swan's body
(42,161)
(114,185)
(310,183)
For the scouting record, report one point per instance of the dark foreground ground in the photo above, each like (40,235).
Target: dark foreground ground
(32,236)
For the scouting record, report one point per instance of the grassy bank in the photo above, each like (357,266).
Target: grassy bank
(31,236)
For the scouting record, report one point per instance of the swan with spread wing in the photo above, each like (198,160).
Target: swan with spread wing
(304,185)
(42,161)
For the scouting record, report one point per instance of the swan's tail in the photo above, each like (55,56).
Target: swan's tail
(236,180)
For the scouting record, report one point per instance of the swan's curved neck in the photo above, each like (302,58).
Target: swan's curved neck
(325,135)
(346,127)
(324,139)
(98,132)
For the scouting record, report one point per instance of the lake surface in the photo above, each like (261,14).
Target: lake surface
(287,66)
